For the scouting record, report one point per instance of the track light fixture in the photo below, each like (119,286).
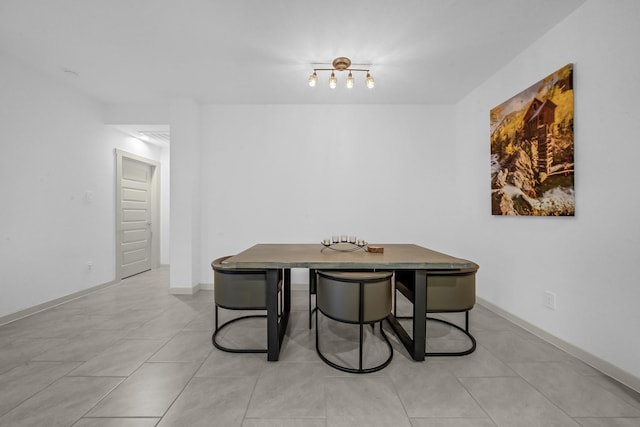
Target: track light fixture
(341,64)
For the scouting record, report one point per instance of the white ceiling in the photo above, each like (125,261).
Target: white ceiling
(261,51)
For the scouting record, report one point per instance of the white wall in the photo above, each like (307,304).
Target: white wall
(292,173)
(54,148)
(590,261)
(186,196)
(165,209)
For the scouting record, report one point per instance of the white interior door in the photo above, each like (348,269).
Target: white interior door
(135,238)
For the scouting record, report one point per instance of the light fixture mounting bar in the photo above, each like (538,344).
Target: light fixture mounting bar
(341,64)
(346,69)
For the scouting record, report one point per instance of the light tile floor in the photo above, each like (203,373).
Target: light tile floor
(133,355)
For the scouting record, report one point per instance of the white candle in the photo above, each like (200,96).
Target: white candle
(344,238)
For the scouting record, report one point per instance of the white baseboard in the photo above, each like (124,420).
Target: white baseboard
(623,377)
(193,290)
(184,291)
(205,286)
(53,303)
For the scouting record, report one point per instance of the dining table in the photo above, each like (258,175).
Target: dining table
(273,257)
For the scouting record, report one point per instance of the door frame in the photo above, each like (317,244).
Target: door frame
(154,204)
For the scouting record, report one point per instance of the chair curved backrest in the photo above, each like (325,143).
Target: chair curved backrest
(449,291)
(239,289)
(339,296)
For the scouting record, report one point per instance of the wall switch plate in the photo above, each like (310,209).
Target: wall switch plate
(549,300)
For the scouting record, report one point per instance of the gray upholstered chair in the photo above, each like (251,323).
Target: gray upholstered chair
(240,290)
(448,291)
(355,297)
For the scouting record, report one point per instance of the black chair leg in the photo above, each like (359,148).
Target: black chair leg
(216,310)
(360,346)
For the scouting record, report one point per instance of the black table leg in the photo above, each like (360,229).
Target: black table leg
(287,290)
(273,339)
(286,305)
(420,315)
(416,345)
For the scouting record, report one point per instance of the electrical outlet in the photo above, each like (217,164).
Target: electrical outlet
(89,265)
(549,300)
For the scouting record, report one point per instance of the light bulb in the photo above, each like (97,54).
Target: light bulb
(313,79)
(333,82)
(349,81)
(370,82)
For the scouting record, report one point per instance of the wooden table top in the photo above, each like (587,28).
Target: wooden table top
(395,256)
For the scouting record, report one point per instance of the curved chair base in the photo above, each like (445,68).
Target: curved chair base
(237,350)
(456,353)
(450,353)
(357,370)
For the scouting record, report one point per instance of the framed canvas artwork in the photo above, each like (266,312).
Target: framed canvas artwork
(532,166)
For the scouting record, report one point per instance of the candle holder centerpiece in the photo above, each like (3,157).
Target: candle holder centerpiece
(344,243)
